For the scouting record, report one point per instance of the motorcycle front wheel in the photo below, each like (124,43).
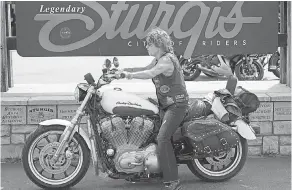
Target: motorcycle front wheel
(246,71)
(221,167)
(37,162)
(190,70)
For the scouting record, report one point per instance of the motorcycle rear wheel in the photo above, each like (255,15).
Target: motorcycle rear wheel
(192,73)
(222,167)
(38,166)
(277,72)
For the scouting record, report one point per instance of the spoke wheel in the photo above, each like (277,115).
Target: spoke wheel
(67,170)
(249,71)
(221,167)
(190,70)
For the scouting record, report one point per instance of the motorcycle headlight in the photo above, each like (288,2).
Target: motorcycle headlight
(81,91)
(76,94)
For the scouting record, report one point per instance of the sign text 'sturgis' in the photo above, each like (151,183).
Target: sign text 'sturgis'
(119,28)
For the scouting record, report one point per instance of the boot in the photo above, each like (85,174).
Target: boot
(174,185)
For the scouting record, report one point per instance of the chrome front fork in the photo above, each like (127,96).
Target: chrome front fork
(69,130)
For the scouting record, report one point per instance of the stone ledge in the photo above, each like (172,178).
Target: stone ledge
(69,99)
(46,100)
(13,101)
(279,97)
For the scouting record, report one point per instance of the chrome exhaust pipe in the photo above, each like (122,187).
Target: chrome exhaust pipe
(206,70)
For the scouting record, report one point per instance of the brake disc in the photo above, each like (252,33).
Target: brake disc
(46,162)
(252,70)
(222,159)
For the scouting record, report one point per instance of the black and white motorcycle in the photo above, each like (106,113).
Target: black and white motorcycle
(243,66)
(121,141)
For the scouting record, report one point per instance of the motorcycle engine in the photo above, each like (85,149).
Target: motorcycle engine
(125,138)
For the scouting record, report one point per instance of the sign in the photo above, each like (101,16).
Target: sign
(263,113)
(116,28)
(282,111)
(13,115)
(67,112)
(37,114)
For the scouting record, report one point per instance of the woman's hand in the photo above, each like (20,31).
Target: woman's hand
(128,75)
(123,74)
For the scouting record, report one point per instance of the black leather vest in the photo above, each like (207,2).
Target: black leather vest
(171,89)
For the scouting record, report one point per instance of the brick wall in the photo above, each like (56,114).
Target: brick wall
(20,117)
(272,122)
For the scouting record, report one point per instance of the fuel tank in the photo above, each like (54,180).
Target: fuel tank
(126,104)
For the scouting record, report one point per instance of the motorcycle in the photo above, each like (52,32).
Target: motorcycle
(244,67)
(121,141)
(273,61)
(189,68)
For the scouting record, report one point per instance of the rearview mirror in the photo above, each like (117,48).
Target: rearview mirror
(116,62)
(89,78)
(104,71)
(108,64)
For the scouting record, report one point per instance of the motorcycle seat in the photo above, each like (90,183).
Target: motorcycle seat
(197,109)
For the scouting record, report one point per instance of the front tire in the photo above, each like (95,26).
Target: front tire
(42,171)
(256,72)
(223,167)
(190,70)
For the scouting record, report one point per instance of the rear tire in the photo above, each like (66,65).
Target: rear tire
(276,59)
(197,165)
(277,72)
(29,163)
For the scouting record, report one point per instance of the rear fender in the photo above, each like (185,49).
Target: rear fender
(67,123)
(244,130)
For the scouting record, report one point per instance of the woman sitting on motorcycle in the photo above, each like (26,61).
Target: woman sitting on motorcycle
(167,76)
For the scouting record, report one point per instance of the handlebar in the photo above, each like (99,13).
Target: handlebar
(111,75)
(108,74)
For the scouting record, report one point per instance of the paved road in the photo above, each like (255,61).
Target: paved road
(258,174)
(57,70)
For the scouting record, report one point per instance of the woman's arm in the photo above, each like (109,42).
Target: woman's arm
(138,69)
(163,65)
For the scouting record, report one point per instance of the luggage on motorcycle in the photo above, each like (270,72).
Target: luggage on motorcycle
(219,110)
(247,101)
(226,98)
(209,136)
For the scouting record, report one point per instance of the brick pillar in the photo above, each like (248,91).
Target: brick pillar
(3,48)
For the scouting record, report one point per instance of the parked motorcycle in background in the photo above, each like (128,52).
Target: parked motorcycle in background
(249,68)
(273,62)
(243,66)
(189,67)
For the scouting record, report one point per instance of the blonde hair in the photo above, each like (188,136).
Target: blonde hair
(160,39)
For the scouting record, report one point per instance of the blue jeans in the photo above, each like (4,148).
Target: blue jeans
(172,119)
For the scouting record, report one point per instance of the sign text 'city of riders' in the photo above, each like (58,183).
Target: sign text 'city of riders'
(111,28)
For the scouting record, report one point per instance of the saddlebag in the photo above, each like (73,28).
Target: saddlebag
(247,101)
(209,136)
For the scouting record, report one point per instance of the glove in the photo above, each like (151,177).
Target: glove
(128,75)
